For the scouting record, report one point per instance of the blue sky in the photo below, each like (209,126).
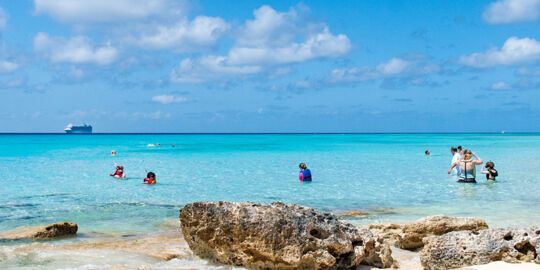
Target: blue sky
(270,66)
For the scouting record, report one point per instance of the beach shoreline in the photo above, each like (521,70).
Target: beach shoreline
(164,248)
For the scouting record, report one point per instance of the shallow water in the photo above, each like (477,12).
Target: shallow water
(49,178)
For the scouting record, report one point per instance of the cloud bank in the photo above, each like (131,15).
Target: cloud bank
(515,51)
(78,50)
(512,11)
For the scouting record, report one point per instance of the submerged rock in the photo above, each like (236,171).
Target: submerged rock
(355,213)
(457,249)
(278,236)
(51,231)
(409,235)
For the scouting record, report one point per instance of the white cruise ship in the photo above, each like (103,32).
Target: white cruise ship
(84,129)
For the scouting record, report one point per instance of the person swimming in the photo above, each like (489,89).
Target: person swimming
(150,178)
(490,171)
(119,173)
(305,173)
(427,153)
(468,166)
(113,153)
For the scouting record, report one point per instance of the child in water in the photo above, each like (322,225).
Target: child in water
(150,178)
(490,171)
(305,173)
(119,173)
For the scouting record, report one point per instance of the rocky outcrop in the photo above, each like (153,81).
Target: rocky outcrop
(278,236)
(409,235)
(51,231)
(457,249)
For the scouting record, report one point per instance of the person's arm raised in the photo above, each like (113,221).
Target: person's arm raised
(478,160)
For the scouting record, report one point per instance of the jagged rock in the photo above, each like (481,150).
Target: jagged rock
(278,236)
(457,249)
(409,235)
(51,231)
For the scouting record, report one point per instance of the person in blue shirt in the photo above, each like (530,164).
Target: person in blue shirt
(305,173)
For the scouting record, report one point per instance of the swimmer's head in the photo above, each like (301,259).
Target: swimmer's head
(151,175)
(490,165)
(120,168)
(302,166)
(453,149)
(459,148)
(113,152)
(427,152)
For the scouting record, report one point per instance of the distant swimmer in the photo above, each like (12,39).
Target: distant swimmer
(427,153)
(113,153)
(490,171)
(119,173)
(305,173)
(468,166)
(150,178)
(157,144)
(173,145)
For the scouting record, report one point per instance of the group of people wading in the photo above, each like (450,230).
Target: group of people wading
(464,166)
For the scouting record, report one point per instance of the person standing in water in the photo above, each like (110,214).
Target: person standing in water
(490,171)
(468,166)
(305,173)
(454,170)
(460,150)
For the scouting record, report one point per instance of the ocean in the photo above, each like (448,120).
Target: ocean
(50,178)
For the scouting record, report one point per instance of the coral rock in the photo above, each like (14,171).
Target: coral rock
(409,235)
(457,249)
(278,236)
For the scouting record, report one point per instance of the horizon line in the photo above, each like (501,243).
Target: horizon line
(250,133)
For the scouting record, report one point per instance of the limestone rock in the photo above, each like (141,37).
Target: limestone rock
(51,231)
(457,249)
(278,236)
(409,235)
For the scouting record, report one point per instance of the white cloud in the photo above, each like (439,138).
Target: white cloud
(78,49)
(185,36)
(528,72)
(107,11)
(271,39)
(7,66)
(515,51)
(3,19)
(395,67)
(208,68)
(511,11)
(318,45)
(167,99)
(274,37)
(501,86)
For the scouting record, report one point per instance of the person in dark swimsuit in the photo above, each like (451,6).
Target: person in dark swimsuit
(490,171)
(468,166)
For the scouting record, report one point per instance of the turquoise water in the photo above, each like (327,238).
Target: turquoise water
(50,178)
